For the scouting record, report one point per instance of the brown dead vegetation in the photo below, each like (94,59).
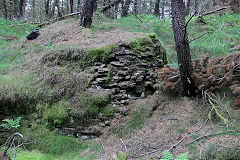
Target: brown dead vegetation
(210,74)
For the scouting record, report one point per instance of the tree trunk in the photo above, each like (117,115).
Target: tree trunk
(182,47)
(125,8)
(34,9)
(47,7)
(5,9)
(71,5)
(163,9)
(16,8)
(67,6)
(135,7)
(156,8)
(87,13)
(22,8)
(78,5)
(53,9)
(58,8)
(187,9)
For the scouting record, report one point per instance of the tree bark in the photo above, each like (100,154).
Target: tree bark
(78,5)
(135,7)
(87,13)
(156,8)
(47,7)
(71,5)
(125,8)
(163,9)
(106,7)
(182,47)
(58,8)
(22,7)
(5,9)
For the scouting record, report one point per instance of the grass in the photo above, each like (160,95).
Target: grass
(10,29)
(223,32)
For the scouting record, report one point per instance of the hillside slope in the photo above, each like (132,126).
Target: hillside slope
(96,88)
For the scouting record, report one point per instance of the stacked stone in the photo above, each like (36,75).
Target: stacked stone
(129,75)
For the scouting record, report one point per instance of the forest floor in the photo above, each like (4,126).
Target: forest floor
(150,125)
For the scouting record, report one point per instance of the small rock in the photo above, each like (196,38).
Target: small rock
(107,123)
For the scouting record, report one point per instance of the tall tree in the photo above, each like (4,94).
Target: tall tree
(87,13)
(125,7)
(47,7)
(156,8)
(162,8)
(22,7)
(4,4)
(78,5)
(182,47)
(71,5)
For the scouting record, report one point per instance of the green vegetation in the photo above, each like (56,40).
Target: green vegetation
(138,118)
(168,156)
(12,31)
(11,123)
(53,115)
(223,32)
(54,146)
(121,156)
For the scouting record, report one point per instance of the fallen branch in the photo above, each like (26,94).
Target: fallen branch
(232,132)
(123,144)
(216,10)
(56,19)
(175,145)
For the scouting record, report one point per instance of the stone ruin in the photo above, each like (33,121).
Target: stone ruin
(130,72)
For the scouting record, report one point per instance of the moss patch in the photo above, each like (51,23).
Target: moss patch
(53,115)
(141,45)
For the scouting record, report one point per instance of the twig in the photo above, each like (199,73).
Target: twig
(216,10)
(175,145)
(187,24)
(136,16)
(221,79)
(212,135)
(198,37)
(123,144)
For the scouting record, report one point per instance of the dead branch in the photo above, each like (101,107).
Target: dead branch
(188,23)
(214,134)
(197,37)
(110,5)
(55,19)
(214,11)
(10,144)
(123,144)
(221,79)
(175,145)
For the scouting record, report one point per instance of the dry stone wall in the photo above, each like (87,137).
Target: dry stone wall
(130,72)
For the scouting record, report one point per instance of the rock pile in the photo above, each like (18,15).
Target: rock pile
(130,73)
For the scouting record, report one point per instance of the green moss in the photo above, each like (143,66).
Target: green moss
(53,115)
(152,36)
(140,45)
(108,112)
(91,104)
(102,54)
(121,156)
